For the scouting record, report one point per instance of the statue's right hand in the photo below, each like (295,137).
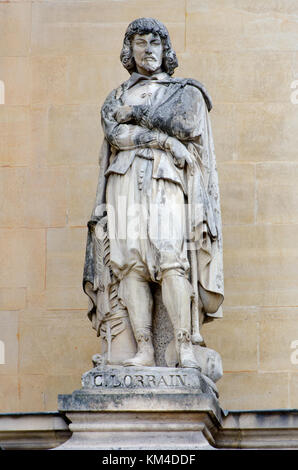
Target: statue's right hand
(179,152)
(124,114)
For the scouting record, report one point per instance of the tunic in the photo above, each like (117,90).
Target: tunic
(145,199)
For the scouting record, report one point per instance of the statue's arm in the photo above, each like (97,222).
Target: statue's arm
(127,136)
(183,120)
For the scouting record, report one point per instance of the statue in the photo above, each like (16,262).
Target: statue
(156,217)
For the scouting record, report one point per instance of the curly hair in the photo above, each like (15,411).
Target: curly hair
(146,26)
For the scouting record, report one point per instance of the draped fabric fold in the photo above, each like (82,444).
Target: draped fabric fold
(181,111)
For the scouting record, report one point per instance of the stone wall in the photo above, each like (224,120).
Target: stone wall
(58,60)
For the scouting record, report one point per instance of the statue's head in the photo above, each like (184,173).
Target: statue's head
(147,48)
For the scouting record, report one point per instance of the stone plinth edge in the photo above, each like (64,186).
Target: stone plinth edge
(142,408)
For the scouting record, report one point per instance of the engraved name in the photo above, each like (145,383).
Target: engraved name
(138,380)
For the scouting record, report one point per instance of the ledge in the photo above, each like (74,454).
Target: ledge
(259,429)
(33,431)
(241,429)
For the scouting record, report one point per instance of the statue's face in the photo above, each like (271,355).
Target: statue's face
(147,51)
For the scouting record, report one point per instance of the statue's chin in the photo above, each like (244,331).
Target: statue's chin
(150,67)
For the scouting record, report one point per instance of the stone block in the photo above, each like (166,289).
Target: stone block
(32,431)
(39,135)
(256,25)
(15,73)
(92,77)
(12,299)
(73,28)
(75,79)
(235,336)
(278,330)
(49,79)
(266,131)
(277,193)
(253,132)
(66,135)
(82,182)
(74,135)
(12,192)
(22,258)
(56,343)
(35,197)
(93,27)
(224,132)
(260,265)
(15,26)
(46,197)
(264,429)
(9,342)
(154,379)
(66,298)
(153,430)
(15,135)
(36,301)
(152,417)
(9,396)
(293,389)
(237,190)
(65,257)
(241,76)
(171,11)
(39,392)
(253,391)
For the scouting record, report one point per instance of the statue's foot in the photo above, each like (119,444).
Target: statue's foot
(185,350)
(187,357)
(145,354)
(188,362)
(140,360)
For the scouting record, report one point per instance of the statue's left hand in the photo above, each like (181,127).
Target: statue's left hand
(180,153)
(124,114)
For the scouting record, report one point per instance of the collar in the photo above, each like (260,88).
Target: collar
(164,77)
(137,77)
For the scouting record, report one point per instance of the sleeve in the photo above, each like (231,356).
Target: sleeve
(127,136)
(189,124)
(181,116)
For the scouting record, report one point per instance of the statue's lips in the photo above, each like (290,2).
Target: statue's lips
(150,59)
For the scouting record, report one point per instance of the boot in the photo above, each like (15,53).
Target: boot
(185,350)
(176,294)
(145,353)
(137,297)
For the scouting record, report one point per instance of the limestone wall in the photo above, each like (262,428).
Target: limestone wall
(58,60)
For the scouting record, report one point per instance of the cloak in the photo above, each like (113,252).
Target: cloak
(183,114)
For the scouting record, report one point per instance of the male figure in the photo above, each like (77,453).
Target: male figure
(158,154)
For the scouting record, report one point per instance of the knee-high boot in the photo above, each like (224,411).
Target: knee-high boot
(136,295)
(176,294)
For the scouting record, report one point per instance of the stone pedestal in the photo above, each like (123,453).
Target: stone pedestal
(142,408)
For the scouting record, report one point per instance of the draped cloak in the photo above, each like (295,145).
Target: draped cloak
(183,114)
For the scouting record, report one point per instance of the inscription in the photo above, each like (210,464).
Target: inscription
(141,380)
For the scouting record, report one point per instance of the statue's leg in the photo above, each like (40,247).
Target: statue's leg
(136,295)
(176,295)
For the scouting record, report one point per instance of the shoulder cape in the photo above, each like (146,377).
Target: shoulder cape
(203,193)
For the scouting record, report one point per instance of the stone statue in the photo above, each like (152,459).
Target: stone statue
(156,217)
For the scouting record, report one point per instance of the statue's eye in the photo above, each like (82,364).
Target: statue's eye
(140,43)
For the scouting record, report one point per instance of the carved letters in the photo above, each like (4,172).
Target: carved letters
(141,381)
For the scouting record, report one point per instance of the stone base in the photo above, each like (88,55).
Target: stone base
(137,408)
